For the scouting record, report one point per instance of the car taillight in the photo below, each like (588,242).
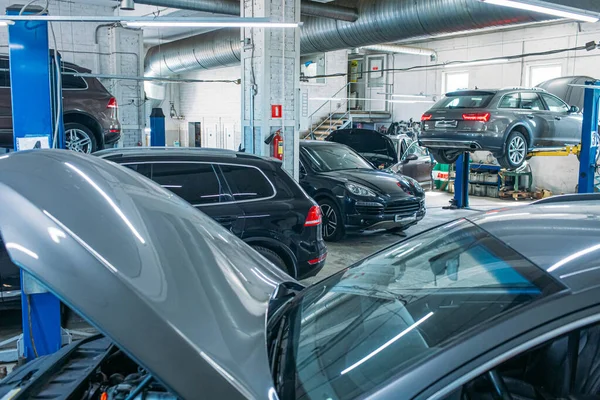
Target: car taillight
(112,103)
(314,216)
(426,117)
(481,117)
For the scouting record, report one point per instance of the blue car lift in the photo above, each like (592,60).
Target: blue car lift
(588,151)
(35,100)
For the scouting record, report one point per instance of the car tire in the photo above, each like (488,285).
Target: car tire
(272,256)
(443,157)
(515,152)
(333,222)
(80,138)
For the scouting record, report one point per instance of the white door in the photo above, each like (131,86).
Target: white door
(376,83)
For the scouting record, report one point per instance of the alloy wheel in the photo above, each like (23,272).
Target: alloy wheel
(517,150)
(330,221)
(78,140)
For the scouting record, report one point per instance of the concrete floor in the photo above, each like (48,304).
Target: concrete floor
(348,251)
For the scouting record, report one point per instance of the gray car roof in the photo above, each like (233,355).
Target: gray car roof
(176,291)
(562,238)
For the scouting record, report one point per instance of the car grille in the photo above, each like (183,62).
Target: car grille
(366,208)
(403,207)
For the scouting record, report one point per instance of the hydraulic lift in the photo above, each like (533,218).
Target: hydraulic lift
(587,151)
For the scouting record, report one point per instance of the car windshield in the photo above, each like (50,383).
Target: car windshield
(326,158)
(348,334)
(464,100)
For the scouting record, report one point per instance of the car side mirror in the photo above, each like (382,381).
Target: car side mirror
(409,158)
(574,110)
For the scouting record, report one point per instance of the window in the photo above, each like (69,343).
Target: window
(4,74)
(411,300)
(544,372)
(465,100)
(143,169)
(531,101)
(195,183)
(555,104)
(71,81)
(313,65)
(334,157)
(543,73)
(246,183)
(415,149)
(512,100)
(455,81)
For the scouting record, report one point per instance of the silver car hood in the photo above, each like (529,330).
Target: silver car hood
(176,291)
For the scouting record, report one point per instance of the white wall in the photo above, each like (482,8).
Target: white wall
(558,174)
(335,62)
(215,105)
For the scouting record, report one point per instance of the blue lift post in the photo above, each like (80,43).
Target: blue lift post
(33,96)
(157,128)
(461,182)
(589,149)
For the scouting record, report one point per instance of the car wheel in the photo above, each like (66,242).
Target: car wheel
(272,256)
(79,138)
(444,156)
(516,151)
(333,225)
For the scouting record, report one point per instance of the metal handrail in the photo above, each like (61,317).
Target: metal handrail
(344,103)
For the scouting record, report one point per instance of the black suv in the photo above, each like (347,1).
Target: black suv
(251,196)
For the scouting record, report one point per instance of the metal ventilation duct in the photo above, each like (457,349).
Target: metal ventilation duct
(232,7)
(380,21)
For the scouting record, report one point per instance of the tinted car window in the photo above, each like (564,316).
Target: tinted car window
(555,104)
(531,101)
(362,326)
(246,183)
(71,81)
(452,101)
(415,149)
(195,183)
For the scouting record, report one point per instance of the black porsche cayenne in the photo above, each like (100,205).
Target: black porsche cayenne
(353,195)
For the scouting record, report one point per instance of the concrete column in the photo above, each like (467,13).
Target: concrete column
(271,76)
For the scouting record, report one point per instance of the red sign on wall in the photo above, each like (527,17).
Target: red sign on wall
(276,110)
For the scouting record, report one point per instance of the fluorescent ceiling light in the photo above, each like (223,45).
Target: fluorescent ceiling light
(231,24)
(475,63)
(411,96)
(545,8)
(410,101)
(6,23)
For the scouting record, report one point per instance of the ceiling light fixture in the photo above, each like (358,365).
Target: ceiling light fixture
(231,24)
(410,101)
(476,63)
(6,23)
(411,96)
(547,8)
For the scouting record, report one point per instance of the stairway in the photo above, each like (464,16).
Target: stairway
(321,130)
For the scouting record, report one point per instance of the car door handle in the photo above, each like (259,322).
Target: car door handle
(530,116)
(557,118)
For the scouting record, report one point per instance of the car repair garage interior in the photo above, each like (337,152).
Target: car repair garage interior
(300,199)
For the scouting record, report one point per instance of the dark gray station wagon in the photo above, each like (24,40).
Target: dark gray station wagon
(508,122)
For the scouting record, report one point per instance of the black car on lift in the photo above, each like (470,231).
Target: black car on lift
(353,195)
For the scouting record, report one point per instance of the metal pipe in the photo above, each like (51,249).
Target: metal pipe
(396,48)
(232,7)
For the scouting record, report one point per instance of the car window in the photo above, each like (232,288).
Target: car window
(194,182)
(247,183)
(415,149)
(4,74)
(555,104)
(326,158)
(512,100)
(143,169)
(70,81)
(543,370)
(452,101)
(368,323)
(531,101)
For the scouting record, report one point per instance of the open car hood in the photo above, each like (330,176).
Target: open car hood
(172,288)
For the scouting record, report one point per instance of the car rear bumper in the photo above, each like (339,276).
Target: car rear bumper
(371,217)
(468,141)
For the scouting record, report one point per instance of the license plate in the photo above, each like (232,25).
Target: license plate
(400,218)
(446,124)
